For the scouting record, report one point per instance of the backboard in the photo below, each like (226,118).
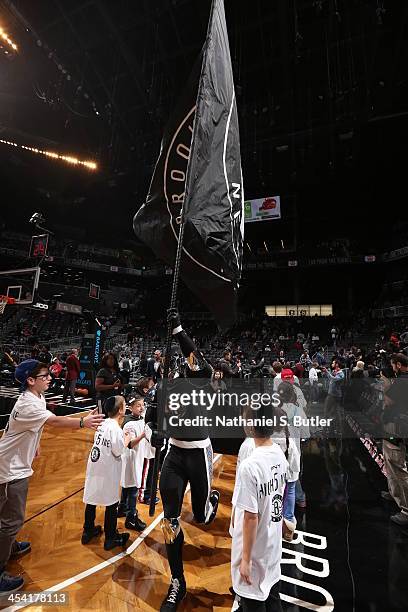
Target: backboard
(20,284)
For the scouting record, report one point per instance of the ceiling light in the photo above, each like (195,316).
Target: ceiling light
(67,158)
(3,36)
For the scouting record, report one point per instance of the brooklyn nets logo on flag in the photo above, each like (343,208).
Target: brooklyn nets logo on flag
(202,137)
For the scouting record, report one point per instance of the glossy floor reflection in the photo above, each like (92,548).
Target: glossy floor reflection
(367,555)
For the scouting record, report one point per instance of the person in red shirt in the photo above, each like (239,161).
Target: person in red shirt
(73,367)
(55,371)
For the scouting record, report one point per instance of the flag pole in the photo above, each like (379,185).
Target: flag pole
(173,298)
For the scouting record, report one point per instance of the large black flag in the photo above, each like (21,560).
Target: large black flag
(202,136)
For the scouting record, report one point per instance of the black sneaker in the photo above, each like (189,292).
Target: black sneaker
(176,593)
(10,584)
(121,511)
(212,506)
(19,549)
(119,540)
(134,522)
(88,535)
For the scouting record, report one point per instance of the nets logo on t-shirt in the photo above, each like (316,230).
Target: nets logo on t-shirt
(95,454)
(277,506)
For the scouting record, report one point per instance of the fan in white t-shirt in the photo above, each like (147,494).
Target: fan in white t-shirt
(103,474)
(282,437)
(19,446)
(256,525)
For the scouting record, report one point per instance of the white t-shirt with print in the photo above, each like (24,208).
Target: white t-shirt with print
(22,436)
(259,489)
(133,458)
(104,465)
(248,447)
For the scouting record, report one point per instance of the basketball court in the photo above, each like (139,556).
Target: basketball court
(336,558)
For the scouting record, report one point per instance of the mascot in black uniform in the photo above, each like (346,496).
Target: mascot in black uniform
(187,461)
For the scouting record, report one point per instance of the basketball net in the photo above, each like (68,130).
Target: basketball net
(4,300)
(3,303)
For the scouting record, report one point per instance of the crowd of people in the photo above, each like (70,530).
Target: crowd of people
(299,372)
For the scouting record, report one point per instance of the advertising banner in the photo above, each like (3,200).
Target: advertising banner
(264,209)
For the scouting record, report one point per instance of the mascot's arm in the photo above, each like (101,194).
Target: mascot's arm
(188,348)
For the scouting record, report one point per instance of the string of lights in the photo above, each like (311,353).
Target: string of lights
(5,37)
(67,158)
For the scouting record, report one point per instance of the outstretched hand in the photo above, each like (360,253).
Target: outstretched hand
(93,420)
(173,317)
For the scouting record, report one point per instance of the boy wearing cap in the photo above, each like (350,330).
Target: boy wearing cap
(18,448)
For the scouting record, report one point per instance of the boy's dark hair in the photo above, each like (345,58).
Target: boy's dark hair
(112,405)
(259,430)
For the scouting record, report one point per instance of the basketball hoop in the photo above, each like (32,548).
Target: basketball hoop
(4,300)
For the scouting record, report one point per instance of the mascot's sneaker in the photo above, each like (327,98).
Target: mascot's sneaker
(176,593)
(212,506)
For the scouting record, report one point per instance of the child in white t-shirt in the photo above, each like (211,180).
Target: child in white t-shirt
(282,437)
(103,475)
(256,525)
(132,464)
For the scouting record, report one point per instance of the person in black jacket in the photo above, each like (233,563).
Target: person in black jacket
(228,370)
(187,461)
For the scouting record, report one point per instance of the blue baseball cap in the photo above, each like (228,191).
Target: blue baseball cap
(24,370)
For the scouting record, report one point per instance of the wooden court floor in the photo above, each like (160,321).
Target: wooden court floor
(134,581)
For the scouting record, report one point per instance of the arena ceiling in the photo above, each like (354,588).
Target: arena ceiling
(321,88)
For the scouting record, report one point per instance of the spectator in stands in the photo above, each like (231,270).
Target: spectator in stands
(45,355)
(73,368)
(216,381)
(143,364)
(314,382)
(395,448)
(319,357)
(277,372)
(305,360)
(55,371)
(155,366)
(335,392)
(225,365)
(35,351)
(394,341)
(108,382)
